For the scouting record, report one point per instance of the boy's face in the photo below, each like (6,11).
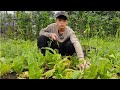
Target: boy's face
(61,23)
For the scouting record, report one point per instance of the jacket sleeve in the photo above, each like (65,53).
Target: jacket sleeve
(46,31)
(76,45)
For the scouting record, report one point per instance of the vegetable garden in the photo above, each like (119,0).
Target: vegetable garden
(98,32)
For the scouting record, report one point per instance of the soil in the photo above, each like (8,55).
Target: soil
(118,74)
(9,76)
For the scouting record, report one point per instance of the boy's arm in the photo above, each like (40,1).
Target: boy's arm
(46,31)
(77,45)
(83,63)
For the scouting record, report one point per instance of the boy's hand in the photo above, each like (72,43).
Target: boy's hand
(54,36)
(84,64)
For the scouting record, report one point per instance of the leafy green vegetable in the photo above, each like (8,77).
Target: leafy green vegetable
(4,68)
(18,63)
(49,73)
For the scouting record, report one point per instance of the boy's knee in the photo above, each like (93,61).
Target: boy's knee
(69,44)
(41,38)
(69,48)
(42,41)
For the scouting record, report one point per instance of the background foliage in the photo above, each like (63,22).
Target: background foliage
(26,25)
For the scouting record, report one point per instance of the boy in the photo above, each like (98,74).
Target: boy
(64,38)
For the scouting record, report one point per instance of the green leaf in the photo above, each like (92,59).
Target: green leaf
(49,73)
(68,75)
(4,68)
(35,72)
(92,72)
(76,74)
(18,64)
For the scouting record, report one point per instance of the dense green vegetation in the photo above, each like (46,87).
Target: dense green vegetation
(86,23)
(19,55)
(19,52)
